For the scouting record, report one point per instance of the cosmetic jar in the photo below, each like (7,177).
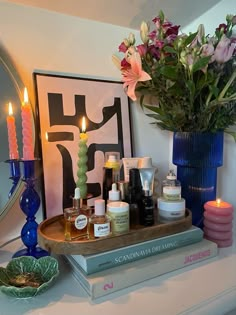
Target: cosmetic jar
(118,211)
(170,210)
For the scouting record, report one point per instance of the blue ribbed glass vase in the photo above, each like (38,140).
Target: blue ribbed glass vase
(197,156)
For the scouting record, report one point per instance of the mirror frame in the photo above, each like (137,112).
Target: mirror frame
(18,83)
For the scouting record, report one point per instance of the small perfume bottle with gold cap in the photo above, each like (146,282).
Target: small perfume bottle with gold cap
(76,219)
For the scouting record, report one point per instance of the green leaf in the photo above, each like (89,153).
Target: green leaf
(190,38)
(141,100)
(161,16)
(154,109)
(201,63)
(170,72)
(191,87)
(170,49)
(214,90)
(232,133)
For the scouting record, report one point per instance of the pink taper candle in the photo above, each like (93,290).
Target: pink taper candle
(12,140)
(27,129)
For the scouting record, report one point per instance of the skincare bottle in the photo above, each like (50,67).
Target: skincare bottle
(171,187)
(114,194)
(128,164)
(76,219)
(113,161)
(147,210)
(107,182)
(123,188)
(134,197)
(99,222)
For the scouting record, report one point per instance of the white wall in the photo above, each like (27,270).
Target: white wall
(41,40)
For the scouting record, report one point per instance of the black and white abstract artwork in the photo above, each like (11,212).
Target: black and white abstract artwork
(61,102)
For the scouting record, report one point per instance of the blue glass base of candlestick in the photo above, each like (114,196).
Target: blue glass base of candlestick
(15,174)
(29,204)
(37,253)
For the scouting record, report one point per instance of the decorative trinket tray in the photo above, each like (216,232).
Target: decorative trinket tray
(51,236)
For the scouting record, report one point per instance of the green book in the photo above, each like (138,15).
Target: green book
(123,276)
(109,259)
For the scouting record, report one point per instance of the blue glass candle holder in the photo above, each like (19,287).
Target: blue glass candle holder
(15,174)
(29,204)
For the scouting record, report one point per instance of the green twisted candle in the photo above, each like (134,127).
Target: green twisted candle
(82,162)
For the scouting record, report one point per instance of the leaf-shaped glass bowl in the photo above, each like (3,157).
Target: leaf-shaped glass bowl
(27,276)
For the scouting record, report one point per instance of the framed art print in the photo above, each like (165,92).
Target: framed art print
(61,102)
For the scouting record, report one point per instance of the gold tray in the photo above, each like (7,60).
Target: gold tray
(51,236)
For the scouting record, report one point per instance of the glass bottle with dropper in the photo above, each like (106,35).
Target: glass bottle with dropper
(113,194)
(76,219)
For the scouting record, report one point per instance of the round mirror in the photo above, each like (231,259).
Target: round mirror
(11,88)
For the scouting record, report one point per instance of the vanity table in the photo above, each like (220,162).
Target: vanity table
(205,288)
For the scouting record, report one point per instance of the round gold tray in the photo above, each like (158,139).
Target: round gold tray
(51,236)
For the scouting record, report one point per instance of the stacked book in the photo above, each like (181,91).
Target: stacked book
(113,270)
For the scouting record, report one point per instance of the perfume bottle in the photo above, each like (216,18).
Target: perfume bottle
(76,219)
(147,211)
(171,187)
(99,222)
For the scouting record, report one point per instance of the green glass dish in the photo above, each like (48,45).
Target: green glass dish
(26,276)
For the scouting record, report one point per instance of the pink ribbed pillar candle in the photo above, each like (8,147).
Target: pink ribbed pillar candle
(218,218)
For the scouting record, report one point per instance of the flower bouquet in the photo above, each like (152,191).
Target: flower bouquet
(187,82)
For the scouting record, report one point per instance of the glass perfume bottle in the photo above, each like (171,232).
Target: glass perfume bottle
(76,219)
(99,222)
(171,187)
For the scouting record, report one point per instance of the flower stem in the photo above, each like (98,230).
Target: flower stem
(232,78)
(210,94)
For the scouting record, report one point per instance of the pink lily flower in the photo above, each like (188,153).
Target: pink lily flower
(224,50)
(208,50)
(135,74)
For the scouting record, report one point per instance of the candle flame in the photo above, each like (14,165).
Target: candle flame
(218,201)
(46,136)
(10,110)
(83,124)
(26,98)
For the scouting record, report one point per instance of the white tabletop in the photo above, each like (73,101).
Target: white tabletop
(205,288)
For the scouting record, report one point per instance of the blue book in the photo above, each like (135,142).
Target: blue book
(112,258)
